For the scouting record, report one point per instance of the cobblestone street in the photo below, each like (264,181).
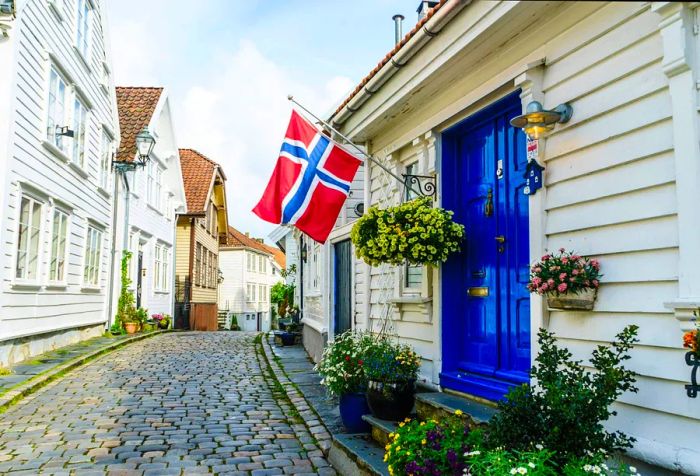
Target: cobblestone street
(179,403)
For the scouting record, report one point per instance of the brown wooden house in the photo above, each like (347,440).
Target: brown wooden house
(198,234)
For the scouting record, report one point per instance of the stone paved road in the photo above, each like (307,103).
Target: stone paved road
(179,403)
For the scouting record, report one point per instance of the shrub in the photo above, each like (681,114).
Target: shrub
(390,361)
(564,272)
(342,364)
(126,309)
(428,447)
(565,408)
(412,232)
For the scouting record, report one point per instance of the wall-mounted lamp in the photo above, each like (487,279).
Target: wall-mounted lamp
(304,253)
(537,121)
(145,143)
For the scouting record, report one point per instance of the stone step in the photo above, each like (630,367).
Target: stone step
(437,405)
(357,454)
(381,428)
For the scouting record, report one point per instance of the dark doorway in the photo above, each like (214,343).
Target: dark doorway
(343,286)
(139,278)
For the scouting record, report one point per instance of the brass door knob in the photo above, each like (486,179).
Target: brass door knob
(500,238)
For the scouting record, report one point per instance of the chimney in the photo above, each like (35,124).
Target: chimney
(423,8)
(398,19)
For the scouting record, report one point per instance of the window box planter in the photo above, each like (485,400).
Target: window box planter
(581,301)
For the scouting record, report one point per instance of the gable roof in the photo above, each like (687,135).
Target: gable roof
(238,239)
(136,106)
(198,174)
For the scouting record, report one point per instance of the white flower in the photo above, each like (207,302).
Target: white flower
(596,469)
(531,464)
(587,468)
(633,469)
(539,446)
(472,453)
(513,471)
(522,470)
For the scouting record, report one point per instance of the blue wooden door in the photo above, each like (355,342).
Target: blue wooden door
(486,306)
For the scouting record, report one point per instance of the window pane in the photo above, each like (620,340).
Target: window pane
(414,276)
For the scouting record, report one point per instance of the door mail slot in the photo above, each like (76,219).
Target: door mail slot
(481,291)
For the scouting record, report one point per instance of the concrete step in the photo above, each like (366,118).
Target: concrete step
(381,428)
(438,405)
(357,454)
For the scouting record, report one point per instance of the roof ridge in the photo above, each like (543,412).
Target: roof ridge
(200,154)
(140,87)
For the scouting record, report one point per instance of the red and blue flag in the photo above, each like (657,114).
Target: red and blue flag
(310,182)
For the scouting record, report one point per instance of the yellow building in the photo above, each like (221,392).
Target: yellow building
(197,242)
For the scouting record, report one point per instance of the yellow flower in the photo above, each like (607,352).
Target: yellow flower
(407,420)
(398,448)
(391,470)
(401,424)
(422,423)
(391,435)
(423,441)
(387,447)
(459,412)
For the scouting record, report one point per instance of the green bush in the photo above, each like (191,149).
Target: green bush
(564,409)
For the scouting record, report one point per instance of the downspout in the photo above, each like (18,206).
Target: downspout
(126,210)
(115,207)
(188,298)
(426,33)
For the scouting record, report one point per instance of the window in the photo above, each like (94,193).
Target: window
(79,119)
(59,236)
(160,275)
(413,274)
(93,256)
(105,76)
(56,110)
(260,263)
(28,239)
(214,270)
(82,40)
(411,169)
(158,258)
(249,259)
(250,295)
(198,264)
(165,276)
(260,293)
(105,160)
(154,185)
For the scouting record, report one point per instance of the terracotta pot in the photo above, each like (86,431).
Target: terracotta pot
(131,327)
(581,301)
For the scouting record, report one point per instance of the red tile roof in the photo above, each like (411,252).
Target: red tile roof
(238,239)
(429,14)
(136,106)
(198,175)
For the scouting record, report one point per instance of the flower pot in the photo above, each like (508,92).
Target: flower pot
(391,401)
(352,407)
(163,324)
(581,301)
(131,327)
(288,338)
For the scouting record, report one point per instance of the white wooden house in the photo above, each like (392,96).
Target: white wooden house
(622,183)
(156,194)
(249,269)
(58,131)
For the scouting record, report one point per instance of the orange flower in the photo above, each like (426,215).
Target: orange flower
(690,340)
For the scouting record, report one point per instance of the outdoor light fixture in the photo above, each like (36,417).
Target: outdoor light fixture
(537,121)
(145,143)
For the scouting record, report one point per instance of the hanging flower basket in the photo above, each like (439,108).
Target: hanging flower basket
(569,281)
(413,232)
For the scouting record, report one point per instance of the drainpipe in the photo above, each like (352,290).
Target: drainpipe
(115,207)
(126,210)
(427,32)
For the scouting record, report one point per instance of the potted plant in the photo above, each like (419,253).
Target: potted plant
(391,370)
(413,232)
(131,323)
(569,281)
(161,320)
(343,374)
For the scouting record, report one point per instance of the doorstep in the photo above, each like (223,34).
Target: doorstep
(438,405)
(357,454)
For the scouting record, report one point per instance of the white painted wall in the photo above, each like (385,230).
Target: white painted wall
(621,179)
(42,36)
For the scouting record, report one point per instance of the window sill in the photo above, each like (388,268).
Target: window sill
(78,169)
(314,294)
(56,286)
(88,288)
(58,153)
(26,285)
(82,58)
(160,291)
(410,300)
(104,191)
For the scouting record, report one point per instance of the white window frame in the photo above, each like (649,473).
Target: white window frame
(154,185)
(83,30)
(412,288)
(249,260)
(157,266)
(80,119)
(92,256)
(59,276)
(25,279)
(57,118)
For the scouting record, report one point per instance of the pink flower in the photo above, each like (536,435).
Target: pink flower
(536,281)
(575,257)
(544,288)
(562,287)
(565,260)
(538,270)
(595,264)
(550,282)
(573,280)
(596,283)
(562,277)
(574,272)
(546,257)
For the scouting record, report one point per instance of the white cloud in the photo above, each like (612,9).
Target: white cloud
(238,116)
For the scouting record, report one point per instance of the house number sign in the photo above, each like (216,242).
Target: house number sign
(533,170)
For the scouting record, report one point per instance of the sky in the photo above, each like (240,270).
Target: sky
(229,65)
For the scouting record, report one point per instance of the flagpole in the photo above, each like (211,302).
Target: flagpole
(350,142)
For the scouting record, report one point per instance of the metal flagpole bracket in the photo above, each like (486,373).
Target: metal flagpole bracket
(424,183)
(403,181)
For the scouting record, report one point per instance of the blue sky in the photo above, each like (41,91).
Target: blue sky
(229,65)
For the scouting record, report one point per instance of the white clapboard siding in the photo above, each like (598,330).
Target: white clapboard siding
(40,40)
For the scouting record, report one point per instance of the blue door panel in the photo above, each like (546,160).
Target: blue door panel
(486,338)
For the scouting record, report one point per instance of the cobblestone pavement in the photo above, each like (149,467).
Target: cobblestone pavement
(180,403)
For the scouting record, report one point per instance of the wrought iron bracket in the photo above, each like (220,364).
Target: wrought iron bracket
(423,184)
(693,360)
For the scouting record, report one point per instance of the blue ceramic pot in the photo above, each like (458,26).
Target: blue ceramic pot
(352,407)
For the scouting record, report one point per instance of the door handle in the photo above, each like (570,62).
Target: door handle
(500,239)
(488,207)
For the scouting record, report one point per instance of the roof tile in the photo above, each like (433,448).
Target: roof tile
(197,175)
(136,106)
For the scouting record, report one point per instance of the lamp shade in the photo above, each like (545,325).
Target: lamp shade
(537,121)
(145,143)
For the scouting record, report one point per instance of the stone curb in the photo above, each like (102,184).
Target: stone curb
(312,420)
(14,395)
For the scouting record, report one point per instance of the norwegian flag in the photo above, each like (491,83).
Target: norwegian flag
(310,182)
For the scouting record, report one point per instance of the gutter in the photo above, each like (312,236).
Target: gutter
(421,38)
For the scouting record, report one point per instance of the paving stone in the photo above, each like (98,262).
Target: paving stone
(129,414)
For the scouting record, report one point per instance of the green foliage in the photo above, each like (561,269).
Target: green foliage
(117,329)
(282,294)
(412,232)
(342,364)
(565,408)
(428,447)
(126,308)
(564,272)
(278,292)
(500,462)
(4,371)
(389,361)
